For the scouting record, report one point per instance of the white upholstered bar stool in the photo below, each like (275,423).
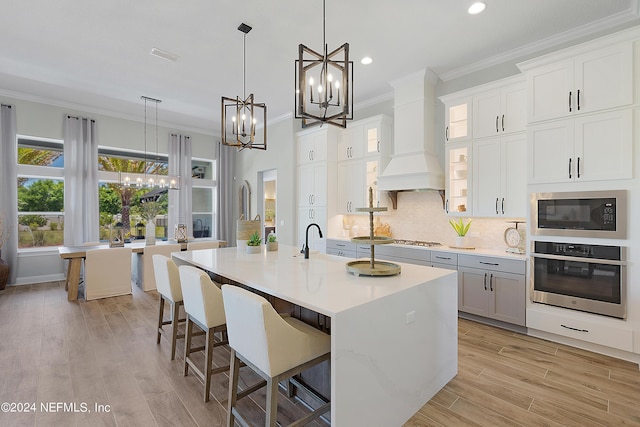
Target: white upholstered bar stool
(275,347)
(167,280)
(204,308)
(205,244)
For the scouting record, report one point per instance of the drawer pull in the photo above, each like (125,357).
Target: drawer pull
(443,257)
(489,263)
(575,329)
(342,245)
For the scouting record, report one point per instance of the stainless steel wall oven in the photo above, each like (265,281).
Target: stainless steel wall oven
(579,276)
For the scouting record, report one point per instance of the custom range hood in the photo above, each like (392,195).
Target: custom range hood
(413,165)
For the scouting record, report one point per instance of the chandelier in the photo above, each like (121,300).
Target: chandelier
(324,84)
(150,178)
(242,116)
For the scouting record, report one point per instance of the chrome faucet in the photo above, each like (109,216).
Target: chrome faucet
(306,239)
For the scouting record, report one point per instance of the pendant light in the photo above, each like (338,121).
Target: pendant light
(242,116)
(150,180)
(324,84)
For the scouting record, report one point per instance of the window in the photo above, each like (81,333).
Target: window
(203,196)
(40,183)
(120,204)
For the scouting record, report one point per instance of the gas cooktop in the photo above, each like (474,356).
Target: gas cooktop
(417,243)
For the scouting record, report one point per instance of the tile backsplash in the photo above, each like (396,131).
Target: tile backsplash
(420,216)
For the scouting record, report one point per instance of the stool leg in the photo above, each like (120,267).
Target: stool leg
(233,387)
(187,344)
(160,318)
(174,332)
(208,351)
(272,402)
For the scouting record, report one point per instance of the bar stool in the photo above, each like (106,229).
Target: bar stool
(204,308)
(275,347)
(168,286)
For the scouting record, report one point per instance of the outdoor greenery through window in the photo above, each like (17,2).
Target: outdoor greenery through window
(40,193)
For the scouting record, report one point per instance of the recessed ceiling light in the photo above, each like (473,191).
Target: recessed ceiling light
(366,60)
(164,54)
(476,8)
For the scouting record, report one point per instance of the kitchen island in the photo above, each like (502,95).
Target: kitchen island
(393,339)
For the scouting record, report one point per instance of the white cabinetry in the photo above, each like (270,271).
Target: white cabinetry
(342,248)
(457,177)
(499,176)
(593,81)
(363,151)
(588,148)
(316,179)
(492,287)
(457,118)
(500,111)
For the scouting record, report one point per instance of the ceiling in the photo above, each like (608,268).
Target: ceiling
(94,55)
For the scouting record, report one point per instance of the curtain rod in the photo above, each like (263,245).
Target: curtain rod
(78,118)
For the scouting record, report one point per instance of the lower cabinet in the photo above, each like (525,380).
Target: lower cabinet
(492,287)
(341,248)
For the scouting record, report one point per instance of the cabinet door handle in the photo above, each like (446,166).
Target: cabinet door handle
(485,281)
(491,282)
(578,99)
(502,206)
(578,167)
(497,123)
(378,148)
(574,329)
(446,133)
(569,168)
(496,205)
(503,123)
(446,206)
(488,263)
(569,101)
(309,155)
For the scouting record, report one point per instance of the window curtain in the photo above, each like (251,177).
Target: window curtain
(225,175)
(9,186)
(180,206)
(81,210)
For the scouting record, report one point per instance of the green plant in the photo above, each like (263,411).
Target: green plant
(254,240)
(149,210)
(460,227)
(271,238)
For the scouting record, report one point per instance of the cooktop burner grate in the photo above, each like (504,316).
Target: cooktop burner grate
(417,243)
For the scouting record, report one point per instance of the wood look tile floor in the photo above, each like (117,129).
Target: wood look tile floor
(104,352)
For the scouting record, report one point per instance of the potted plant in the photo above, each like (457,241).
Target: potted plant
(461,230)
(4,266)
(253,244)
(149,211)
(272,243)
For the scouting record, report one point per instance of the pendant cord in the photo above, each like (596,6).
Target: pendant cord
(244,66)
(145,138)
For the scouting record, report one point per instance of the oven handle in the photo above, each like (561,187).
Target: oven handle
(578,259)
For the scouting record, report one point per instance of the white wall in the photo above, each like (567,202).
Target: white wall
(280,155)
(46,121)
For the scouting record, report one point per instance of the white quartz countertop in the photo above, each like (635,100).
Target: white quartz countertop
(320,283)
(497,253)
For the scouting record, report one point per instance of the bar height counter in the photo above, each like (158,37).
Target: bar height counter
(394,340)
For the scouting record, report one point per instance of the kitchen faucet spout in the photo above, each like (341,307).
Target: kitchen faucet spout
(306,238)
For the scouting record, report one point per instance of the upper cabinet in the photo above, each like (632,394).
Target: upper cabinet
(500,111)
(457,177)
(312,146)
(589,82)
(588,148)
(457,118)
(363,150)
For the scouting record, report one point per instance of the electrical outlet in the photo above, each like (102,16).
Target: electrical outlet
(411,317)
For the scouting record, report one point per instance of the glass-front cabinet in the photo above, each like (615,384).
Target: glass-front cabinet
(458,120)
(458,179)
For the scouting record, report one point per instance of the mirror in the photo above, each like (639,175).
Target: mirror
(245,200)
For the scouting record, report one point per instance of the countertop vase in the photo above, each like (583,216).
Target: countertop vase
(253,249)
(272,246)
(150,233)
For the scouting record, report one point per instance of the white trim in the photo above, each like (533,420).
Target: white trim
(30,280)
(548,43)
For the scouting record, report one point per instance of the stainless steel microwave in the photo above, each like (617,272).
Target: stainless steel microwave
(599,214)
